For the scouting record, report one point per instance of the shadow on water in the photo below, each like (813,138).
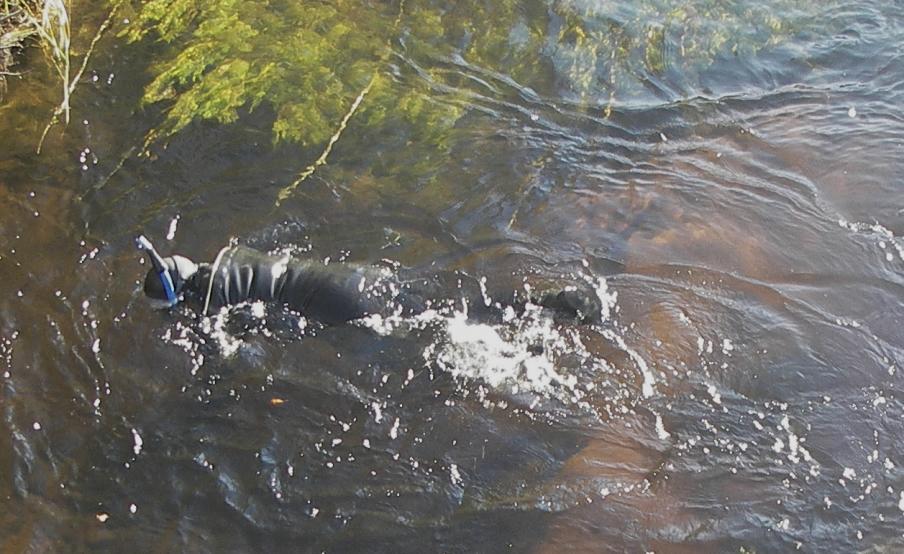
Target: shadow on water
(742,220)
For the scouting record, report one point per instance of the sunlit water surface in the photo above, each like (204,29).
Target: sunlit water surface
(740,220)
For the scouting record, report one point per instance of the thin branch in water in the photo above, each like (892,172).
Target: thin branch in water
(287,191)
(103,182)
(308,171)
(100,31)
(53,120)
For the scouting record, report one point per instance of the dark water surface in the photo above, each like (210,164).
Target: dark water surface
(743,217)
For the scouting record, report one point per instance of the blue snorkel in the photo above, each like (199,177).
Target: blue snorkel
(163,272)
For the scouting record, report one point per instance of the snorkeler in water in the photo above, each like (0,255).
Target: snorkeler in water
(330,293)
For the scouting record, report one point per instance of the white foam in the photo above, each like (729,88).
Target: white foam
(648,378)
(378,412)
(215,327)
(660,429)
(171,233)
(394,432)
(527,352)
(455,475)
(280,267)
(881,234)
(259,309)
(483,292)
(504,358)
(714,393)
(136,448)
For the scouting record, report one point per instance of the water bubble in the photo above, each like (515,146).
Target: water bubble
(138,442)
(394,432)
(455,475)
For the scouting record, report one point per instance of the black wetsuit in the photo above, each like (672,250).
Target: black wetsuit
(338,292)
(332,293)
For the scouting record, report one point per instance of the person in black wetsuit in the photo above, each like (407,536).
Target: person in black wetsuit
(330,293)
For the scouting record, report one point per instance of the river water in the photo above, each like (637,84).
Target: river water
(741,219)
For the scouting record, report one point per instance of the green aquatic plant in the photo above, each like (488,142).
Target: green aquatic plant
(308,60)
(615,48)
(313,63)
(322,66)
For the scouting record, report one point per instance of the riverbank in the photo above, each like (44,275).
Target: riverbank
(15,29)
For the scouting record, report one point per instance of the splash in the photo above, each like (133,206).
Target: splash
(529,354)
(188,340)
(171,231)
(884,238)
(216,326)
(526,353)
(519,351)
(519,358)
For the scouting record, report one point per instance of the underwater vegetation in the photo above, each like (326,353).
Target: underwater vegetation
(311,61)
(321,66)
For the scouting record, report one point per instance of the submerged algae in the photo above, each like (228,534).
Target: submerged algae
(310,61)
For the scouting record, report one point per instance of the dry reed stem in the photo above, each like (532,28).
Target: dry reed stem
(69,84)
